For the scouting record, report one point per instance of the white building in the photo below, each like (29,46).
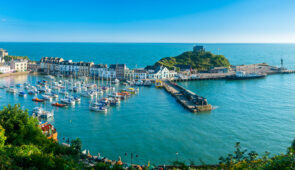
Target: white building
(140,74)
(19,65)
(3,53)
(66,67)
(161,73)
(98,70)
(5,69)
(109,73)
(102,70)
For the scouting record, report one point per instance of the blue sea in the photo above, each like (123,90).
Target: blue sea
(258,113)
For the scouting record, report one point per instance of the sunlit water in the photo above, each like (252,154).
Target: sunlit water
(258,113)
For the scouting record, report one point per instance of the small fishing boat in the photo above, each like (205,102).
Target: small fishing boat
(58,104)
(147,83)
(22,93)
(77,98)
(67,101)
(76,89)
(159,84)
(37,100)
(12,90)
(3,87)
(33,92)
(63,92)
(43,114)
(27,87)
(113,102)
(87,94)
(116,81)
(139,83)
(19,85)
(46,97)
(54,95)
(99,109)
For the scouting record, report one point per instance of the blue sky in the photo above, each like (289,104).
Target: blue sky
(204,21)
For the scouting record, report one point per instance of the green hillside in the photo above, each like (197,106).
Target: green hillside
(197,60)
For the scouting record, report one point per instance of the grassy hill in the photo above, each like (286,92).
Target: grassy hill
(197,60)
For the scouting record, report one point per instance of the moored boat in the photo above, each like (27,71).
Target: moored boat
(159,84)
(58,104)
(241,75)
(98,109)
(22,93)
(37,100)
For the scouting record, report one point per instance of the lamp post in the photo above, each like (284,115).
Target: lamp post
(131,157)
(176,156)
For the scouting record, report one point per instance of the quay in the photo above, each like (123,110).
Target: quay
(187,98)
(260,68)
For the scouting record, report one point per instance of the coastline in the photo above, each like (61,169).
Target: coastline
(16,74)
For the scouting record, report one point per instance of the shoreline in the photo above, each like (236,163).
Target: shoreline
(15,74)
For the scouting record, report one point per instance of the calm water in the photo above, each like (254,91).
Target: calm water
(258,113)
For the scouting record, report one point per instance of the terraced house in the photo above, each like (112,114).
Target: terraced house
(84,68)
(120,70)
(102,70)
(50,65)
(75,68)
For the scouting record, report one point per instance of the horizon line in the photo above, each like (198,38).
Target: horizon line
(141,42)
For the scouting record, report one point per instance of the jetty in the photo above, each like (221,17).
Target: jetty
(187,98)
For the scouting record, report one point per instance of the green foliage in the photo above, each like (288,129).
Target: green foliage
(197,60)
(180,165)
(2,137)
(20,128)
(240,160)
(76,145)
(22,144)
(9,58)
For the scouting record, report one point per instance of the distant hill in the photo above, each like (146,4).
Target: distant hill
(200,60)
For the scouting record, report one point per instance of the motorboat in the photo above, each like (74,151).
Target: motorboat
(22,93)
(87,94)
(37,100)
(147,83)
(76,98)
(159,84)
(12,90)
(46,97)
(43,114)
(116,81)
(19,85)
(139,83)
(241,75)
(98,109)
(58,104)
(33,92)
(67,101)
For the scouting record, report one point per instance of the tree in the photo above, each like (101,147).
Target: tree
(2,137)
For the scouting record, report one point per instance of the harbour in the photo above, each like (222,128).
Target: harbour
(154,117)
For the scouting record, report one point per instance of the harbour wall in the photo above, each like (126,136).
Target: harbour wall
(187,98)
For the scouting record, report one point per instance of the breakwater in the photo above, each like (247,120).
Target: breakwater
(187,98)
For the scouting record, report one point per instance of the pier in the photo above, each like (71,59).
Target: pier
(187,98)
